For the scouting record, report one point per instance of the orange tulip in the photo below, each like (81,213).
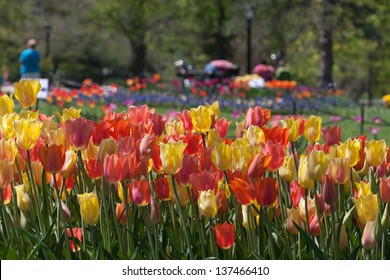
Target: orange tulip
(266,191)
(79,132)
(6,192)
(112,169)
(120,212)
(243,190)
(6,173)
(94,169)
(224,233)
(52,158)
(140,192)
(296,193)
(277,135)
(276,152)
(258,165)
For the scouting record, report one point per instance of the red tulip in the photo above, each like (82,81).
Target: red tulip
(79,131)
(332,135)
(257,116)
(190,165)
(94,169)
(258,165)
(222,126)
(276,152)
(243,190)
(224,233)
(140,192)
(296,193)
(75,234)
(277,135)
(385,189)
(329,191)
(112,169)
(266,191)
(161,187)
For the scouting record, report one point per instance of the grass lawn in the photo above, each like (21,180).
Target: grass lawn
(375,118)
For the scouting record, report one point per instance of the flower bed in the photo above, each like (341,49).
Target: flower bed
(136,186)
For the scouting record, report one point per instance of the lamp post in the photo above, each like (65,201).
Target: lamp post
(249,13)
(47,40)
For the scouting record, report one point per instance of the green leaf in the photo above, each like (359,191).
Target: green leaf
(317,252)
(8,252)
(354,254)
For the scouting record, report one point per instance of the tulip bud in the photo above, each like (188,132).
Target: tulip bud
(207,203)
(120,212)
(385,218)
(314,226)
(385,189)
(368,238)
(329,191)
(155,212)
(22,198)
(222,203)
(89,207)
(343,237)
(293,216)
(66,212)
(373,182)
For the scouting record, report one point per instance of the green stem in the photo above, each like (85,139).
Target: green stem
(307,213)
(183,222)
(319,215)
(147,227)
(335,236)
(121,244)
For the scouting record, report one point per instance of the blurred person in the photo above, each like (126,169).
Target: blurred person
(29,60)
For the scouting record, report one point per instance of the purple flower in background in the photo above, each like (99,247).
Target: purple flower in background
(374,130)
(358,119)
(335,118)
(128,102)
(377,119)
(236,114)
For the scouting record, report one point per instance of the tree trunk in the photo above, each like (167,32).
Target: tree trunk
(138,60)
(326,48)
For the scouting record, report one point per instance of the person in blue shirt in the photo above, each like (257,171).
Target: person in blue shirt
(29,60)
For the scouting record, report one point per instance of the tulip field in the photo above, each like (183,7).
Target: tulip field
(138,185)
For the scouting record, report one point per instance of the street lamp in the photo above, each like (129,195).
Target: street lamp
(249,13)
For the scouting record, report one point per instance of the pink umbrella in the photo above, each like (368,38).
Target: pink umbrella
(265,71)
(222,64)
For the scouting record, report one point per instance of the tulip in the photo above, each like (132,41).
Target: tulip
(112,169)
(276,152)
(296,127)
(258,165)
(266,191)
(317,164)
(140,192)
(303,175)
(91,152)
(7,125)
(375,152)
(332,135)
(28,114)
(329,191)
(171,155)
(89,207)
(313,128)
(311,208)
(215,110)
(6,105)
(343,237)
(79,132)
(120,212)
(26,92)
(339,169)
(204,181)
(161,187)
(296,193)
(6,173)
(368,237)
(350,150)
(185,118)
(201,118)
(8,149)
(243,190)
(207,203)
(224,233)
(52,158)
(69,114)
(293,216)
(314,225)
(69,167)
(182,193)
(22,198)
(221,199)
(6,194)
(255,135)
(190,165)
(222,126)
(385,189)
(287,170)
(363,188)
(257,116)
(212,137)
(107,147)
(155,211)
(277,135)
(242,155)
(222,155)
(366,207)
(27,132)
(66,211)
(75,234)
(94,169)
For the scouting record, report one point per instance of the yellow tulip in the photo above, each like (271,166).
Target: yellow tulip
(255,135)
(56,137)
(317,164)
(287,170)
(27,132)
(91,152)
(216,111)
(207,203)
(244,213)
(22,198)
(182,193)
(108,146)
(366,207)
(303,174)
(293,215)
(70,164)
(212,136)
(28,114)
(26,92)
(174,128)
(7,125)
(295,126)
(222,155)
(375,152)
(89,207)
(69,114)
(313,127)
(339,169)
(8,149)
(363,188)
(350,151)
(201,118)
(171,155)
(242,153)
(6,105)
